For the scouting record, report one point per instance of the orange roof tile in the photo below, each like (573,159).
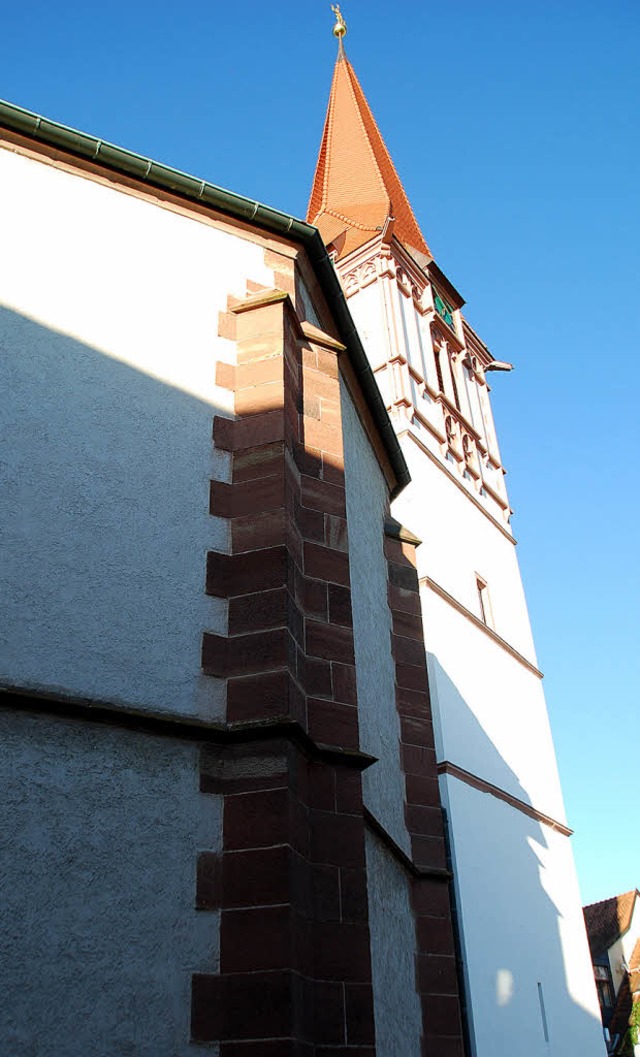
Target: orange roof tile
(356,187)
(608,920)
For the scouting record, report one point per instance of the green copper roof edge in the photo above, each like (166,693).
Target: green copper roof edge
(167,178)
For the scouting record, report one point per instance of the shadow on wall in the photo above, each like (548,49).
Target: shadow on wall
(104,518)
(515,960)
(104,476)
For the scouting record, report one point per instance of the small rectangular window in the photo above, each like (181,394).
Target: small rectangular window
(484,601)
(604,986)
(436,353)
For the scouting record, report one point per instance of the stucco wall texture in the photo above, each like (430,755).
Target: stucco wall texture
(109,343)
(99,936)
(503,862)
(367,496)
(397,1007)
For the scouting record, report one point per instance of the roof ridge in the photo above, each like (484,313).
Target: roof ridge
(620,895)
(351,78)
(387,154)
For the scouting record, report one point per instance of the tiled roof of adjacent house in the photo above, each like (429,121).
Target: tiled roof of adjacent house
(356,187)
(608,920)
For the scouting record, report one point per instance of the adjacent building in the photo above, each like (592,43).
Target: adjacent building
(613,931)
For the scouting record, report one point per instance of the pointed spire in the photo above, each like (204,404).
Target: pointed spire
(355,181)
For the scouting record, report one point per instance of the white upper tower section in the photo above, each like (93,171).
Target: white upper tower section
(527,971)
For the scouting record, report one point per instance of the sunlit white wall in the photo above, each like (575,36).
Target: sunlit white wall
(109,333)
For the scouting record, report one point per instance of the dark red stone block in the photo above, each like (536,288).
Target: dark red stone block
(348,791)
(411,676)
(337,839)
(264,696)
(246,497)
(207,1010)
(440,1014)
(258,611)
(409,625)
(435,936)
(417,731)
(340,605)
(408,651)
(424,821)
(423,789)
(403,577)
(428,852)
(257,1005)
(399,552)
(430,898)
(320,898)
(403,600)
(241,574)
(437,975)
(245,654)
(324,563)
(330,642)
(320,495)
(359,1015)
(316,676)
(321,790)
(259,877)
(256,820)
(254,463)
(353,895)
(414,703)
(344,683)
(342,951)
(331,723)
(442,1046)
(335,533)
(418,760)
(256,531)
(326,1012)
(255,939)
(249,432)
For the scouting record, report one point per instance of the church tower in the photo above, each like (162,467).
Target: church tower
(524,960)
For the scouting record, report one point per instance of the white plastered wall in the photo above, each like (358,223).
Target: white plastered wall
(391,920)
(398,1015)
(367,498)
(518,898)
(515,883)
(519,913)
(100,934)
(459,542)
(109,335)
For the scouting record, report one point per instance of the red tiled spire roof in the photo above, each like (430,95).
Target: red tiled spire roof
(356,187)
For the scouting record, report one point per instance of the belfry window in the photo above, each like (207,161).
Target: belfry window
(444,309)
(436,353)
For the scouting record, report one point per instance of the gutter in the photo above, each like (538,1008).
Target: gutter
(163,176)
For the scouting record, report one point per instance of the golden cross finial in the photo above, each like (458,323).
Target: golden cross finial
(340,27)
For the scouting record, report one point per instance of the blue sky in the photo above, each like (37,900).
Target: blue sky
(515,130)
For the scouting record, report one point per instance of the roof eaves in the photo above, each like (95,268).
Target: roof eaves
(163,176)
